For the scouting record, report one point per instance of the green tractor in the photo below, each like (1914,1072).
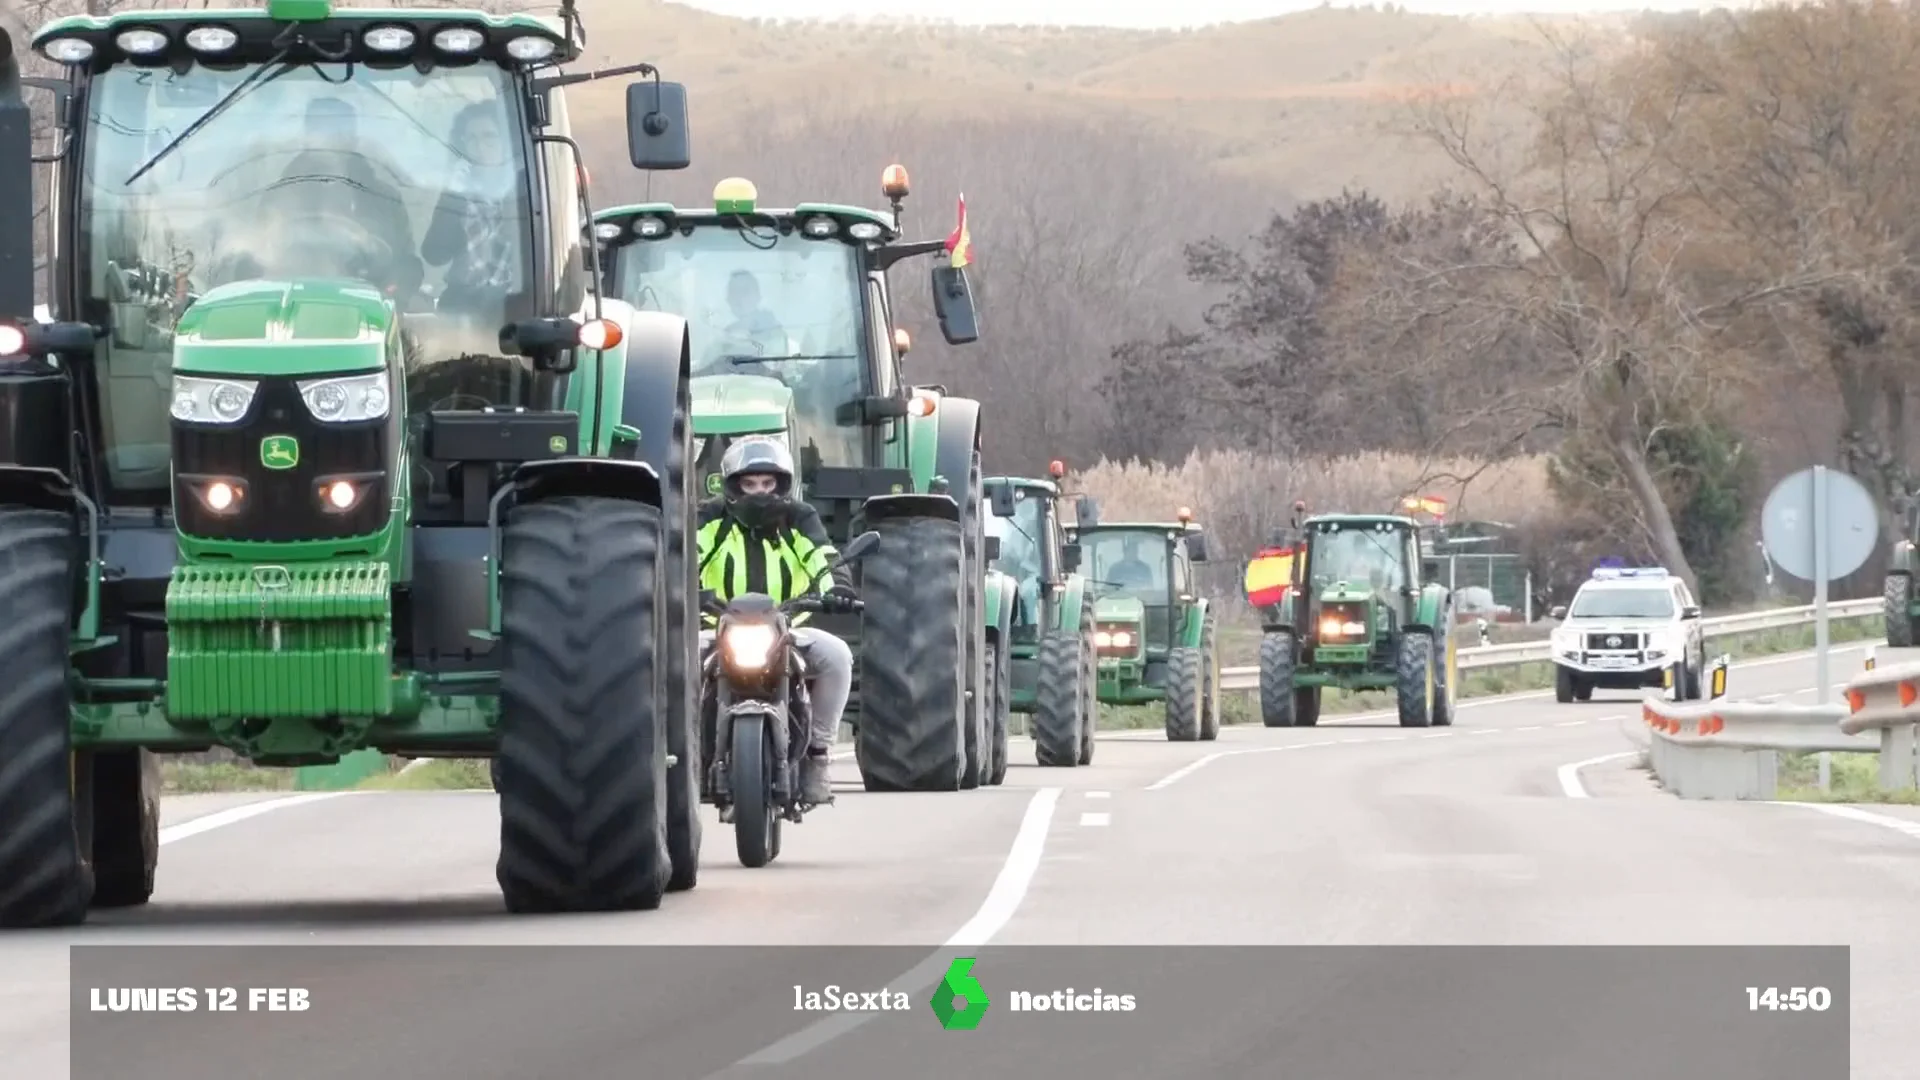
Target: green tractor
(793,319)
(1903,603)
(285,479)
(1155,634)
(1045,616)
(1361,614)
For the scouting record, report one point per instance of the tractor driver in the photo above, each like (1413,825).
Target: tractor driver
(1131,571)
(336,151)
(756,537)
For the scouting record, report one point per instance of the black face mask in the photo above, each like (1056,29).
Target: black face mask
(762,512)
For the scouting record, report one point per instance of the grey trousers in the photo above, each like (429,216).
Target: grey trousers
(829,675)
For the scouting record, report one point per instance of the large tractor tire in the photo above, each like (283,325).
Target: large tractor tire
(913,637)
(120,821)
(1445,674)
(1414,679)
(1000,690)
(979,707)
(1089,683)
(1186,687)
(1306,706)
(1277,665)
(45,878)
(681,670)
(583,735)
(1059,710)
(1899,593)
(1210,691)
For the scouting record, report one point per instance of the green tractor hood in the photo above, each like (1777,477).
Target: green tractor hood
(739,405)
(1119,609)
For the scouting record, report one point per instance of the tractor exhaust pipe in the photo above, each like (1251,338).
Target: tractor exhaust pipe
(16,189)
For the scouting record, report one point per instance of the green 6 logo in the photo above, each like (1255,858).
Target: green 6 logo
(960,1001)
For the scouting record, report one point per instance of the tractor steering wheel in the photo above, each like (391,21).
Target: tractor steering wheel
(323,238)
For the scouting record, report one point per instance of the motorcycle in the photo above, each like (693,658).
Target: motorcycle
(752,677)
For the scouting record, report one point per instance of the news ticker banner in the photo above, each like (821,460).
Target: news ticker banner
(854,1013)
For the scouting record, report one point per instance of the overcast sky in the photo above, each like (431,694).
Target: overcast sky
(1154,13)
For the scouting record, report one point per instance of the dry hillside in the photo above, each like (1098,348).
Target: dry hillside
(1301,105)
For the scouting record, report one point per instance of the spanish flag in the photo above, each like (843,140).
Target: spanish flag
(1269,576)
(959,243)
(1425,504)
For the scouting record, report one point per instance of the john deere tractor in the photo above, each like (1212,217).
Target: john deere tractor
(1045,618)
(1154,633)
(794,320)
(284,476)
(1903,601)
(1359,615)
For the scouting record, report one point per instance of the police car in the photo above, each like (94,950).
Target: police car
(1625,629)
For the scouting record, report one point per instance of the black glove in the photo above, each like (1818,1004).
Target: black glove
(842,596)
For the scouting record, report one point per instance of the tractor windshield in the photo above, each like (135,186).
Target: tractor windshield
(759,303)
(1363,555)
(1133,563)
(413,183)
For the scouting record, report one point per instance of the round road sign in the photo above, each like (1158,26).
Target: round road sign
(1852,524)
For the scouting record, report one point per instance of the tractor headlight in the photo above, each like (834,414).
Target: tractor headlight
(212,401)
(68,50)
(346,400)
(1337,627)
(746,646)
(531,48)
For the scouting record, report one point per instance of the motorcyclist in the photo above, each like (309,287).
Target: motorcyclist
(756,537)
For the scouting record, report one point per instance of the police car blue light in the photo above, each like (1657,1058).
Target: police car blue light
(1616,573)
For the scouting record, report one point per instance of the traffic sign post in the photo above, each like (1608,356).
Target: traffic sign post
(1818,525)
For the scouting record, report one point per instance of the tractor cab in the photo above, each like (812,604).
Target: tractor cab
(317,195)
(794,324)
(1143,581)
(1031,548)
(1358,581)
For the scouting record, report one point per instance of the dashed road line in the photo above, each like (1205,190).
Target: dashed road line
(1095,820)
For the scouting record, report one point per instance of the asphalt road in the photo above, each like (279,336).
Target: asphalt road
(1524,824)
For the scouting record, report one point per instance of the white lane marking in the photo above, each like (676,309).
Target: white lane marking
(1530,727)
(1488,731)
(1852,813)
(234,814)
(1094,820)
(1190,768)
(1570,723)
(1002,902)
(1569,774)
(1099,794)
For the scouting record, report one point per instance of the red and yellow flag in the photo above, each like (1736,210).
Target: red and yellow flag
(959,243)
(1269,576)
(1425,504)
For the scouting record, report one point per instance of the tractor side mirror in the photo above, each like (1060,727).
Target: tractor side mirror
(1086,512)
(657,136)
(1000,500)
(548,342)
(991,547)
(40,339)
(1559,612)
(1197,547)
(953,303)
(1070,558)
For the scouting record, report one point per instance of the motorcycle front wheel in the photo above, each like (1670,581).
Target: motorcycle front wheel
(756,820)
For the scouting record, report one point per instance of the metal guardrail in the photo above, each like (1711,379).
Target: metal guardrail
(1537,652)
(1730,749)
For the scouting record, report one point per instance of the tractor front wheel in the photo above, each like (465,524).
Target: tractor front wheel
(1000,695)
(1060,703)
(121,791)
(913,636)
(1899,595)
(583,741)
(1186,683)
(1414,679)
(45,879)
(1306,706)
(1210,688)
(1277,665)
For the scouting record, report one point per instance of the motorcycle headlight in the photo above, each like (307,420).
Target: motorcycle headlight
(348,399)
(746,647)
